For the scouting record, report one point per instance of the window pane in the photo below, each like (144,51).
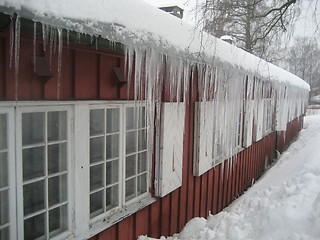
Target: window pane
(57,189)
(131,142)
(142,162)
(130,188)
(112,172)
(34,227)
(4,206)
(96,176)
(33,163)
(130,118)
(96,203)
(142,184)
(4,233)
(130,166)
(57,158)
(33,197)
(57,126)
(3,170)
(97,122)
(96,149)
(112,146)
(32,128)
(3,131)
(58,220)
(111,197)
(113,120)
(142,140)
(142,117)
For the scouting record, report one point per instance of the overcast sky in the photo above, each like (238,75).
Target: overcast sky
(305,26)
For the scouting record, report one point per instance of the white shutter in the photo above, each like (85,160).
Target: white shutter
(171,148)
(258,120)
(248,123)
(281,115)
(203,142)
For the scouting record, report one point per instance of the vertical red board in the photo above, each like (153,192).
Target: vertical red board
(174,211)
(215,190)
(126,229)
(226,183)
(155,219)
(203,195)
(165,215)
(110,233)
(86,75)
(29,88)
(210,187)
(3,60)
(67,75)
(221,183)
(196,203)
(109,84)
(142,222)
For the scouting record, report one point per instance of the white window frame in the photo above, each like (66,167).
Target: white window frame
(20,216)
(123,204)
(79,223)
(9,111)
(268,116)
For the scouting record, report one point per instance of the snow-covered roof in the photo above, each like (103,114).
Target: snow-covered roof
(136,23)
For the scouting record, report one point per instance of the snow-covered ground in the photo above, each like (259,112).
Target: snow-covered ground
(283,204)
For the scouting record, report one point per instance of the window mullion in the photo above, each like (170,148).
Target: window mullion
(122,155)
(104,197)
(46,194)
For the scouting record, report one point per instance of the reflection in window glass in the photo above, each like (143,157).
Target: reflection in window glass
(104,160)
(45,176)
(33,128)
(4,178)
(136,149)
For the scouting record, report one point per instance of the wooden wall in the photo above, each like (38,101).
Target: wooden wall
(87,74)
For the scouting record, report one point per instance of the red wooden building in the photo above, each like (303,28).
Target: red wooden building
(112,140)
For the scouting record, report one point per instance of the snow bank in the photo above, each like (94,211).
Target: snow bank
(135,23)
(284,204)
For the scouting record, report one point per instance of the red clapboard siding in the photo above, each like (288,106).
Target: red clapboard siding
(2,68)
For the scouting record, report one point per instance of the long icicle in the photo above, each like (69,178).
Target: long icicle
(17,55)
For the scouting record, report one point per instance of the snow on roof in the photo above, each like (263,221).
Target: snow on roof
(161,3)
(136,23)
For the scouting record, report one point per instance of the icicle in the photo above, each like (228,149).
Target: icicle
(17,55)
(34,45)
(44,36)
(51,37)
(54,40)
(60,48)
(97,44)
(68,38)
(11,41)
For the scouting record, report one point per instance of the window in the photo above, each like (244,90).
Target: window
(118,156)
(4,178)
(268,115)
(45,172)
(71,169)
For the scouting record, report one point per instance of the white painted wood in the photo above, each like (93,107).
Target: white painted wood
(203,142)
(81,168)
(9,112)
(258,120)
(248,123)
(171,148)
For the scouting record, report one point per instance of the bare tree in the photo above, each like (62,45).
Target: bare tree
(304,60)
(253,24)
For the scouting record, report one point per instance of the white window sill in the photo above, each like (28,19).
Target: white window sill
(122,213)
